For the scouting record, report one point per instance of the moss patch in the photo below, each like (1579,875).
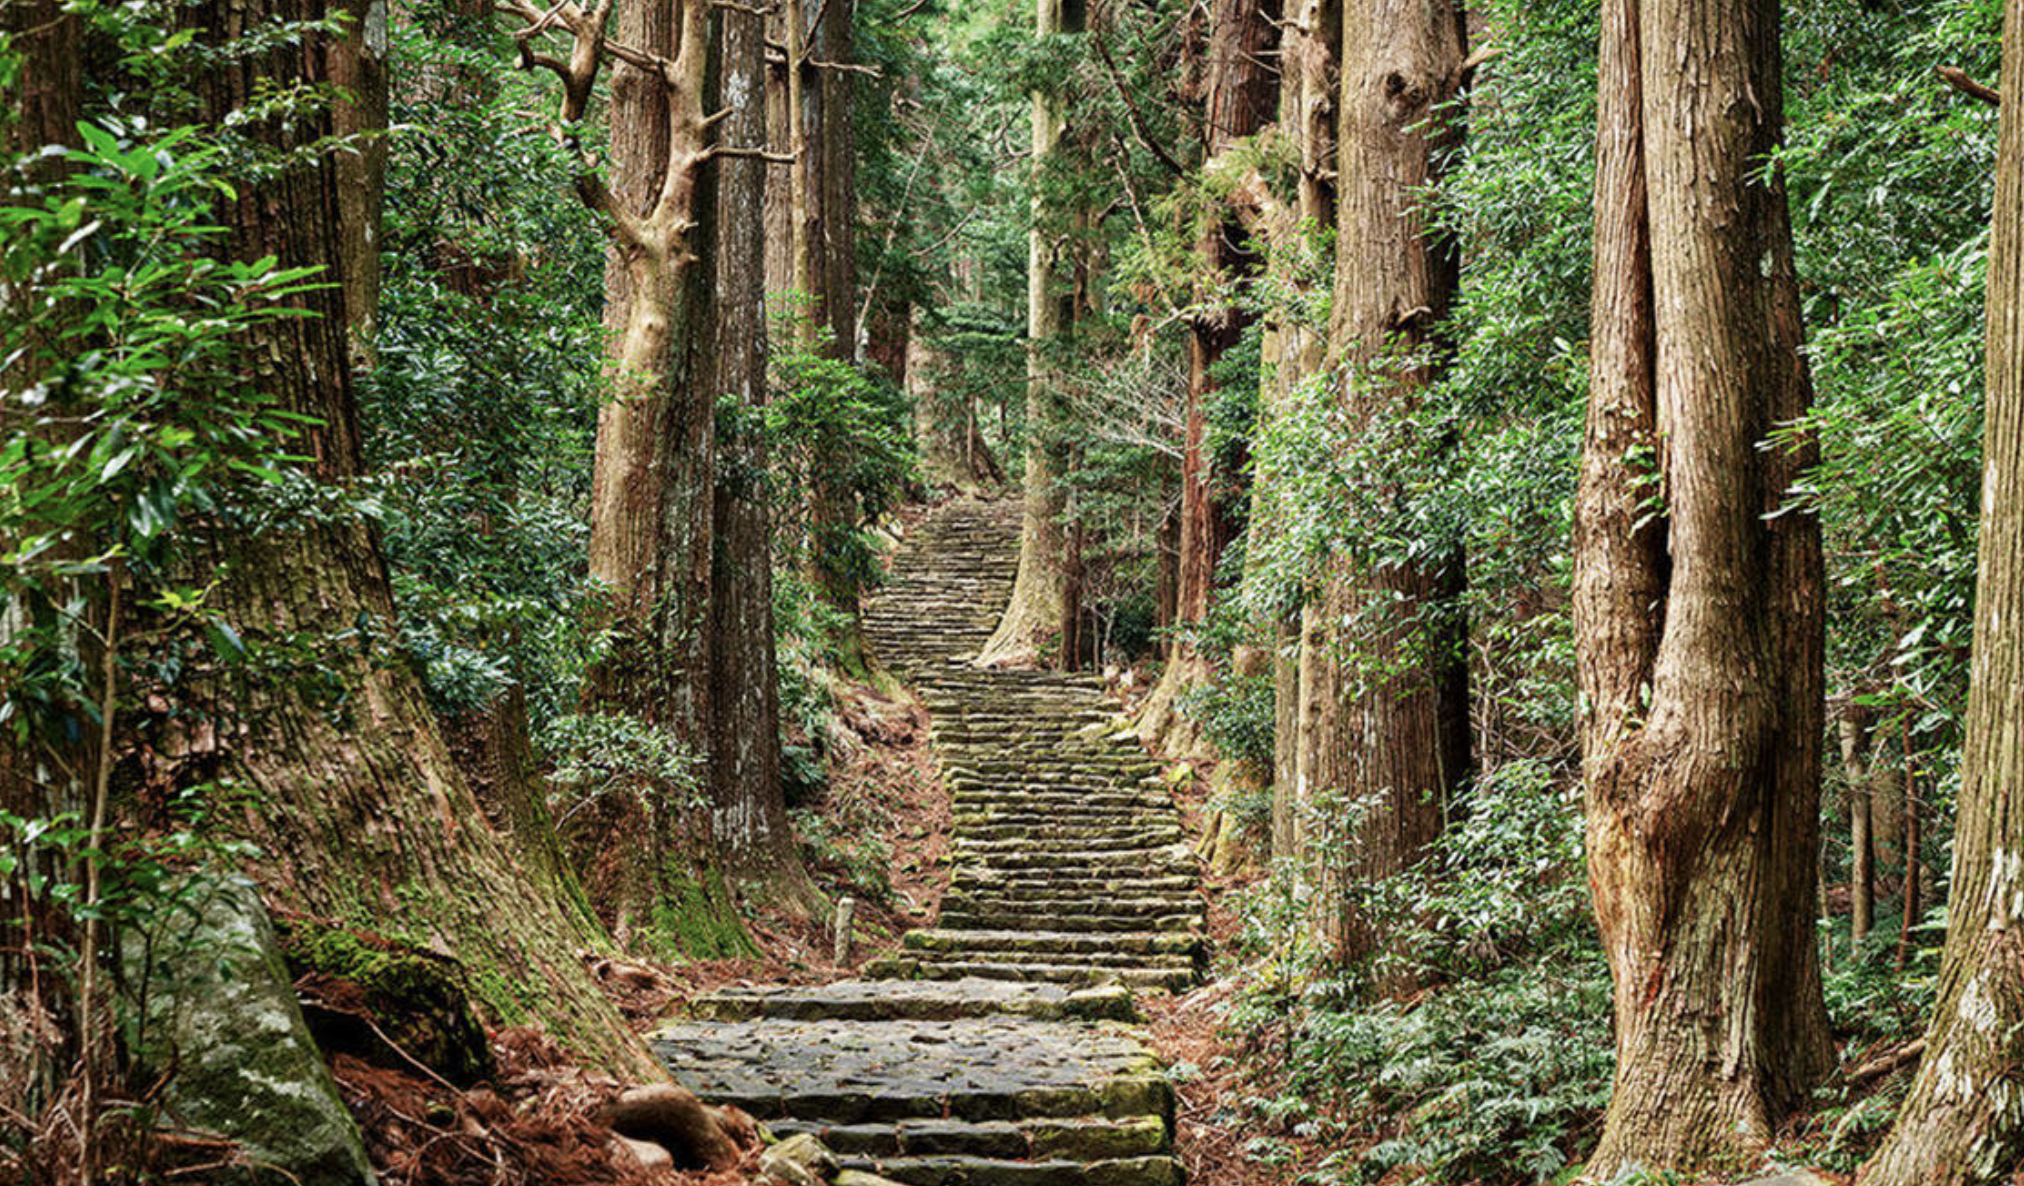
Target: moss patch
(384,1000)
(695,918)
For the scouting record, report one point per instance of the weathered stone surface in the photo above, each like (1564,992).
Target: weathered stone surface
(222,1011)
(800,1160)
(988,1052)
(860,1000)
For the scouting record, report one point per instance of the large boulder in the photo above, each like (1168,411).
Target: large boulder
(217,1012)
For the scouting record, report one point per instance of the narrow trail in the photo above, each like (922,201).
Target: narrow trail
(996,1049)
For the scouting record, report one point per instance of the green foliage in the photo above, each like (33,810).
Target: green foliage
(1236,714)
(479,408)
(833,418)
(138,436)
(1500,1073)
(601,754)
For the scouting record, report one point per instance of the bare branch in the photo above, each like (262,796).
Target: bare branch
(1133,115)
(1958,79)
(845,67)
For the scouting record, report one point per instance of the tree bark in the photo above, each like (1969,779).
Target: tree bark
(1702,681)
(1963,1123)
(1855,765)
(646,855)
(1295,351)
(754,841)
(1034,611)
(360,812)
(358,68)
(45,110)
(1242,91)
(1392,736)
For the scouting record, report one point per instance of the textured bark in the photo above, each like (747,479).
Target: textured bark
(1391,735)
(1963,1124)
(833,205)
(1242,92)
(653,491)
(754,842)
(44,111)
(1702,683)
(358,68)
(1034,611)
(361,813)
(1295,351)
(1862,850)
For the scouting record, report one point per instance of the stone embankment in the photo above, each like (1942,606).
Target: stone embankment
(997,1048)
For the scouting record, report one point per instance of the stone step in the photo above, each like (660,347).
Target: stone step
(1177,859)
(1093,834)
(989,848)
(1080,959)
(1002,919)
(866,1072)
(1065,943)
(976,1171)
(1078,1139)
(902,968)
(1038,899)
(971,879)
(902,1000)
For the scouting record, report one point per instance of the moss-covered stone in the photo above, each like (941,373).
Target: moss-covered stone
(221,1020)
(387,1000)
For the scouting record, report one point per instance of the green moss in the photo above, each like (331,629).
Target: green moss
(694,916)
(419,1001)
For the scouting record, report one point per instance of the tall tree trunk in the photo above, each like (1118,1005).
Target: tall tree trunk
(832,265)
(44,110)
(1392,740)
(753,839)
(1702,682)
(646,856)
(1855,765)
(1034,612)
(358,68)
(1296,350)
(1963,1124)
(1242,93)
(366,819)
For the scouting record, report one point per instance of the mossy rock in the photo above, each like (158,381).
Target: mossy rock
(386,1001)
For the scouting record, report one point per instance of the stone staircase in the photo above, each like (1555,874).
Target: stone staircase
(996,1049)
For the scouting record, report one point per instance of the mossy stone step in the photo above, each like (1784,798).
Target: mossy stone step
(953,967)
(863,1072)
(975,1171)
(1079,1138)
(1064,942)
(900,1000)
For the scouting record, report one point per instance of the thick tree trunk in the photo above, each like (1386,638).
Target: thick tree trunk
(1703,682)
(1242,94)
(44,111)
(1963,1124)
(1034,612)
(645,856)
(365,817)
(754,842)
(1392,737)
